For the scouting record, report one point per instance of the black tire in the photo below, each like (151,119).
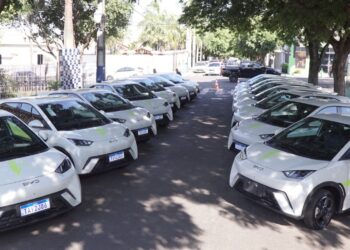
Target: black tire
(233,78)
(320,210)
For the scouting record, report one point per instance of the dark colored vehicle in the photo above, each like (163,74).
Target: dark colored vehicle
(247,70)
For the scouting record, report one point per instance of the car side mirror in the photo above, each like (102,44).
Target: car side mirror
(36,124)
(43,135)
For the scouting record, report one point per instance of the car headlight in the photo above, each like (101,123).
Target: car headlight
(79,142)
(64,166)
(266,136)
(127,132)
(243,154)
(298,174)
(166,104)
(119,120)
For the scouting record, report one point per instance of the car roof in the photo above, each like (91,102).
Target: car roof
(79,91)
(39,99)
(320,102)
(334,117)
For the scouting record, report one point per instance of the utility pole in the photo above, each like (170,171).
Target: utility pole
(68,25)
(100,20)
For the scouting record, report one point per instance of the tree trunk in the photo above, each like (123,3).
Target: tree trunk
(68,25)
(315,61)
(338,69)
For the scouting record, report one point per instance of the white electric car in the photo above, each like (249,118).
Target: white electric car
(139,120)
(141,97)
(93,142)
(277,118)
(160,91)
(303,172)
(267,93)
(192,88)
(254,110)
(182,92)
(37,182)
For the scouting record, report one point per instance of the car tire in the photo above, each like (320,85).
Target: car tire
(320,210)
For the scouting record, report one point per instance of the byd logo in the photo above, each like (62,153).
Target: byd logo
(28,183)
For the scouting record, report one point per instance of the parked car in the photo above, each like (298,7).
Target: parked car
(176,79)
(37,182)
(93,142)
(124,72)
(200,67)
(159,91)
(213,68)
(182,92)
(140,96)
(277,118)
(247,70)
(139,120)
(303,172)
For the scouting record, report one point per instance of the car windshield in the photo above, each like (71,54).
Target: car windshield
(173,78)
(73,115)
(271,101)
(17,140)
(264,87)
(107,102)
(163,82)
(267,93)
(134,92)
(286,113)
(313,138)
(151,85)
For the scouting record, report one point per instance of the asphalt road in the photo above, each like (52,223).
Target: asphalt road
(176,196)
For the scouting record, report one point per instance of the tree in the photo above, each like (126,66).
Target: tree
(44,22)
(160,30)
(218,44)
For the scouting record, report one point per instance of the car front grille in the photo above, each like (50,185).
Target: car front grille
(11,216)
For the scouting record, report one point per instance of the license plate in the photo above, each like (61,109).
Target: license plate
(143,131)
(183,97)
(116,156)
(239,146)
(35,207)
(253,188)
(158,117)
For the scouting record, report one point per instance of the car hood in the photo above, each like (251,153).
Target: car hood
(277,160)
(252,127)
(136,114)
(154,105)
(96,134)
(249,111)
(29,167)
(179,90)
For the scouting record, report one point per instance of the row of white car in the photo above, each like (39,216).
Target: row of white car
(46,141)
(294,143)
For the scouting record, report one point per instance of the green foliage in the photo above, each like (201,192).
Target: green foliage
(45,20)
(53,85)
(284,68)
(160,30)
(218,44)
(8,87)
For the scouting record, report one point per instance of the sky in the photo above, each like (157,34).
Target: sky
(170,6)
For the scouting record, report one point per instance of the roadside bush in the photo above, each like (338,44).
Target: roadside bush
(53,85)
(284,68)
(8,87)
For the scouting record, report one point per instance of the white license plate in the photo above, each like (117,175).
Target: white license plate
(183,97)
(239,146)
(158,117)
(35,207)
(116,156)
(143,131)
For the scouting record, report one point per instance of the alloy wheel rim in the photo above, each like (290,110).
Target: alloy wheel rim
(324,211)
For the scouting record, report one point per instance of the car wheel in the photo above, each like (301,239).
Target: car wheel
(320,210)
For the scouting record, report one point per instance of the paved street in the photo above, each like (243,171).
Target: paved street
(176,196)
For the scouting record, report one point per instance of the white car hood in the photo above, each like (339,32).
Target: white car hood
(181,91)
(249,111)
(277,160)
(251,127)
(136,114)
(154,105)
(29,167)
(96,134)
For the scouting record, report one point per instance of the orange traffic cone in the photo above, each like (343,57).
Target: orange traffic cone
(217,86)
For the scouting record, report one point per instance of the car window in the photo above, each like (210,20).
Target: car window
(286,113)
(134,92)
(313,138)
(328,110)
(108,102)
(345,111)
(269,102)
